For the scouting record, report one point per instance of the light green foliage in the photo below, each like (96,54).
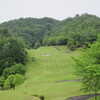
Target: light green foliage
(88,68)
(91,80)
(10,80)
(2,81)
(18,79)
(55,40)
(14,80)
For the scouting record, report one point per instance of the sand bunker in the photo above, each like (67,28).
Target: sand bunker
(46,55)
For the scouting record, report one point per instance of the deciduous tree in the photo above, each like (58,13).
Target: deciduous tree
(88,68)
(2,81)
(14,80)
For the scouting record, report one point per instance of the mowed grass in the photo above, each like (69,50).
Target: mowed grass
(51,64)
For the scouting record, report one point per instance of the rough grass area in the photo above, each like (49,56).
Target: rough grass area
(51,64)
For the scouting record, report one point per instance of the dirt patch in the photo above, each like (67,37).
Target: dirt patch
(77,80)
(82,97)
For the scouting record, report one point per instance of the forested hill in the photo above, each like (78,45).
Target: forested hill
(74,32)
(32,30)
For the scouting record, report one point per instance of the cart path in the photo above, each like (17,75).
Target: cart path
(82,97)
(77,80)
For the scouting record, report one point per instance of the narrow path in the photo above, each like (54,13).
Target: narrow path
(77,80)
(82,97)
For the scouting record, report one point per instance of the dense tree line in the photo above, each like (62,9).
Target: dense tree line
(73,31)
(13,57)
(79,30)
(32,30)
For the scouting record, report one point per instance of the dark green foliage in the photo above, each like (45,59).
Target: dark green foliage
(3,38)
(33,59)
(78,30)
(12,51)
(15,69)
(42,97)
(5,32)
(35,95)
(73,32)
(12,58)
(32,30)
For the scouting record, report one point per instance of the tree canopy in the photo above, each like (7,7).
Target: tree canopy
(73,31)
(2,82)
(12,51)
(88,68)
(14,80)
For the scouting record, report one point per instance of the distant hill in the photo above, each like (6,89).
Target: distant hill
(74,32)
(32,30)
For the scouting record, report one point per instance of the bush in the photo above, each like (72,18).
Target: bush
(33,59)
(41,97)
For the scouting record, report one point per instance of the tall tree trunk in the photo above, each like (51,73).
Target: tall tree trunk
(95,95)
(2,87)
(13,87)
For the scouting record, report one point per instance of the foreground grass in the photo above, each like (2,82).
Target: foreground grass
(51,65)
(15,95)
(93,98)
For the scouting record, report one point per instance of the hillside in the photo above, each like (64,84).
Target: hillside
(32,30)
(47,76)
(50,68)
(74,32)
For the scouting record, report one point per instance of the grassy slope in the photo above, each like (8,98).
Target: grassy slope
(43,73)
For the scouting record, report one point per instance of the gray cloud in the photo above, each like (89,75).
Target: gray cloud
(58,9)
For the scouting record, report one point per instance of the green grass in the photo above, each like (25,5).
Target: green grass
(93,98)
(50,65)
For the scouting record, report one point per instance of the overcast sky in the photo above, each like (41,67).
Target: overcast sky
(58,9)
